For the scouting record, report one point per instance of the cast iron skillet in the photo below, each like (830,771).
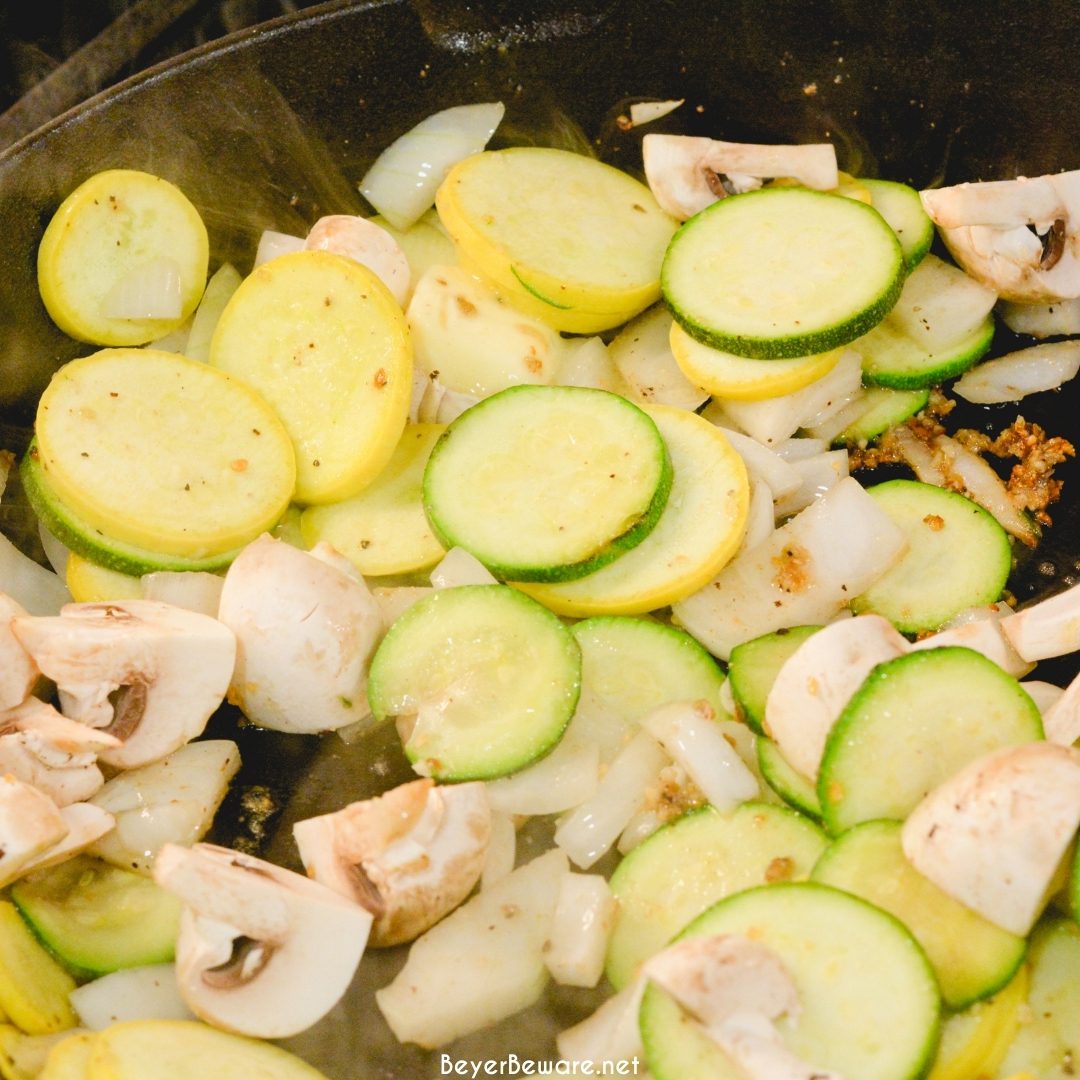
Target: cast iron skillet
(271,128)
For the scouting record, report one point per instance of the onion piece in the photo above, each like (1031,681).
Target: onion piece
(55,551)
(1041,320)
(1017,374)
(1044,694)
(580,927)
(190,589)
(272,244)
(760,518)
(501,851)
(395,600)
(38,590)
(150,290)
(642,353)
(458,567)
(590,830)
(799,448)
(918,456)
(609,1034)
(219,289)
(764,464)
(818,474)
(565,778)
(645,112)
(141,993)
(640,827)
(402,182)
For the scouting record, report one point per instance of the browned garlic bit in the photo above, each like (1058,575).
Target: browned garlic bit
(409,856)
(148,673)
(1020,237)
(306,626)
(262,951)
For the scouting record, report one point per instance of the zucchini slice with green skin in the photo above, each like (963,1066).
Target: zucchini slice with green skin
(163,453)
(482,679)
(915,722)
(753,667)
(971,957)
(702,857)
(547,483)
(782,272)
(870,1006)
(902,208)
(82,538)
(99,918)
(790,784)
(890,357)
(958,557)
(881,409)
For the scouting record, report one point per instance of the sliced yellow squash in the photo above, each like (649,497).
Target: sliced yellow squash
(384,529)
(90,583)
(741,378)
(116,226)
(70,1059)
(154,450)
(186,1050)
(34,988)
(564,237)
(322,339)
(698,532)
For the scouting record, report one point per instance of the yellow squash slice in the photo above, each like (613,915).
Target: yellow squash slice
(322,339)
(69,1059)
(115,227)
(34,988)
(90,583)
(564,237)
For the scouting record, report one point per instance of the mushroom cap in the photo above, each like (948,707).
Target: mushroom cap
(150,673)
(261,951)
(409,856)
(305,630)
(364,242)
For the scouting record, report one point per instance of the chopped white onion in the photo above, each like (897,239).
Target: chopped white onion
(689,733)
(395,600)
(609,1034)
(175,341)
(832,426)
(272,244)
(919,456)
(642,353)
(150,290)
(818,475)
(501,851)
(141,993)
(761,516)
(640,827)
(800,448)
(55,551)
(364,242)
(586,362)
(1044,694)
(1046,629)
(402,183)
(458,567)
(190,589)
(1017,374)
(644,112)
(219,289)
(590,830)
(565,778)
(38,590)
(1042,320)
(580,927)
(764,464)
(1061,720)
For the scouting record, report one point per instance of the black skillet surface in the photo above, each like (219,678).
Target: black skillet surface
(270,129)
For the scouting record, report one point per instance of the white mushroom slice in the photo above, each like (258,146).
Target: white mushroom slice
(409,856)
(366,243)
(261,951)
(686,173)
(736,988)
(86,823)
(146,672)
(1061,717)
(1044,694)
(30,823)
(51,752)
(818,680)
(980,629)
(18,672)
(305,631)
(1046,629)
(993,835)
(986,227)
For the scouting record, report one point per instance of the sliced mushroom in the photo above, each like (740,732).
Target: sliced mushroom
(86,824)
(409,856)
(59,756)
(1046,629)
(1020,237)
(735,988)
(687,173)
(993,835)
(980,629)
(148,673)
(818,680)
(262,951)
(306,626)
(18,672)
(30,823)
(364,242)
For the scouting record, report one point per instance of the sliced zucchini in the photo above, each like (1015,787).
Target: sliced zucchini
(110,230)
(629,667)
(186,1050)
(902,208)
(790,784)
(384,530)
(323,340)
(206,464)
(782,272)
(890,357)
(686,866)
(878,410)
(483,680)
(869,1003)
(958,557)
(971,957)
(739,378)
(34,988)
(99,918)
(547,483)
(572,241)
(753,667)
(915,722)
(700,529)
